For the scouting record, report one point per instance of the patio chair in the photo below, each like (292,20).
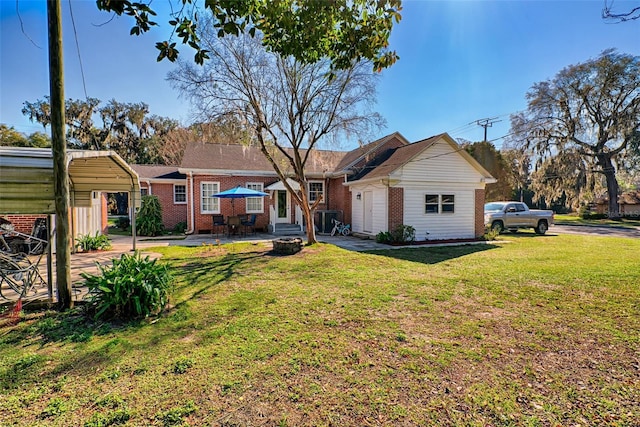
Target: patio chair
(33,244)
(250,224)
(20,273)
(218,221)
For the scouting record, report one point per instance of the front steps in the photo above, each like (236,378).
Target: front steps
(285,229)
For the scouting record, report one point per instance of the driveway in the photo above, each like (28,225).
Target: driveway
(593,230)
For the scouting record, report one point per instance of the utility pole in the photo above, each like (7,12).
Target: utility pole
(487,123)
(59,152)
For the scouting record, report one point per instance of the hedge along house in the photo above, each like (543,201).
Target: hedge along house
(432,185)
(27,187)
(170,186)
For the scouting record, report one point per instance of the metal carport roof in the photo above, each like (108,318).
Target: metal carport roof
(26,178)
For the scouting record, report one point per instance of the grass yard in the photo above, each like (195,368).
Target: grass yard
(565,219)
(537,331)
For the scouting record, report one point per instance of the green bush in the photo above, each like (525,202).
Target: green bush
(87,242)
(383,237)
(124,223)
(180,227)
(403,234)
(133,287)
(149,219)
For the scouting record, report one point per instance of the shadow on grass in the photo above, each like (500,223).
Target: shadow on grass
(200,274)
(433,255)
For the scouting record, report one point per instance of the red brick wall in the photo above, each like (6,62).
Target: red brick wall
(105,213)
(23,223)
(479,213)
(339,198)
(172,213)
(203,222)
(396,207)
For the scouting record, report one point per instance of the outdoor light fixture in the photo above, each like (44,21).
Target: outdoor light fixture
(358,196)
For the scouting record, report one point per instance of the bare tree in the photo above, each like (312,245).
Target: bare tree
(289,107)
(609,15)
(591,109)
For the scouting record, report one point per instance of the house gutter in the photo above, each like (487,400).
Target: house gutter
(191,205)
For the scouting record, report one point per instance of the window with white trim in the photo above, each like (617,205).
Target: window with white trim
(255,204)
(209,204)
(448,203)
(316,190)
(439,203)
(144,192)
(432,204)
(179,194)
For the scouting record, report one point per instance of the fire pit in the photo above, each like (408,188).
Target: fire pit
(287,245)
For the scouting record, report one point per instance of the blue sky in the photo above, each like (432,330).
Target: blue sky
(460,61)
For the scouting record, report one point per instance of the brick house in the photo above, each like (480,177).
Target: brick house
(170,186)
(432,185)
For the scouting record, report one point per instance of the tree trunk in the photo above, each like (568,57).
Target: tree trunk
(612,184)
(311,228)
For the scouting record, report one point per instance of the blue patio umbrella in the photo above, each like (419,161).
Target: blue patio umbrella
(238,192)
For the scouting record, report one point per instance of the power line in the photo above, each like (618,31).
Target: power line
(486,123)
(75,33)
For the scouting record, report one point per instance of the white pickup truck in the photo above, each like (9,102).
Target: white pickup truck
(511,216)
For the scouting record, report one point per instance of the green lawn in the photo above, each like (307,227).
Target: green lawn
(535,331)
(576,220)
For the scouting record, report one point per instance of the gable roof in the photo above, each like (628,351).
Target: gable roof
(378,159)
(398,157)
(365,153)
(146,172)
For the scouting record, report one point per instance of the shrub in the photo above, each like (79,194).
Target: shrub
(149,219)
(124,223)
(99,242)
(403,234)
(133,287)
(383,237)
(491,234)
(180,227)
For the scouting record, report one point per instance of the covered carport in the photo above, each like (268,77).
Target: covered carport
(27,183)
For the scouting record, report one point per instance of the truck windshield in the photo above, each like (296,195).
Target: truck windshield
(491,207)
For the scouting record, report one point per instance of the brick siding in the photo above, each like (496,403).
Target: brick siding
(172,213)
(203,222)
(23,223)
(396,207)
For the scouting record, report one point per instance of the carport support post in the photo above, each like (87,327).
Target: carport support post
(59,152)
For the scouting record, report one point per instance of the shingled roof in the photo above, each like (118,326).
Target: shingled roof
(158,172)
(236,157)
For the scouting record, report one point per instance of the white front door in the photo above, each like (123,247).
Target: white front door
(282,207)
(367,220)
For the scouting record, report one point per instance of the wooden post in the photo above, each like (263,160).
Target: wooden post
(59,151)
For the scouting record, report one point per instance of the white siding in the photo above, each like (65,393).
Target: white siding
(457,225)
(438,163)
(88,220)
(440,170)
(379,220)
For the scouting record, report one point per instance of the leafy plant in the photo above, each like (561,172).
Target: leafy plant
(403,234)
(149,219)
(99,242)
(180,227)
(383,237)
(124,223)
(133,287)
(491,234)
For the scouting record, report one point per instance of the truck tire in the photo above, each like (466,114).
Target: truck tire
(542,227)
(497,226)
